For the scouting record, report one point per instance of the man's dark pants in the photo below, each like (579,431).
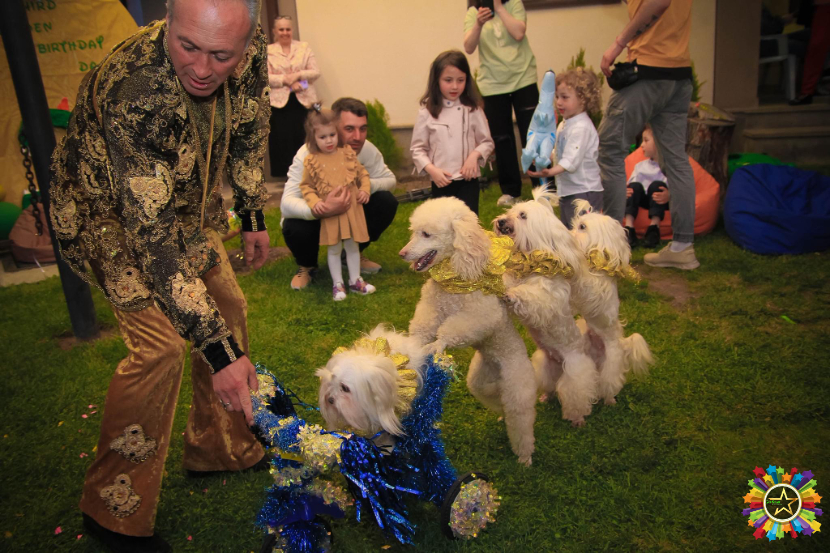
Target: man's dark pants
(303,237)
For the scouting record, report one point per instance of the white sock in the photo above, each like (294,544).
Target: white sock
(352,259)
(679,246)
(335,266)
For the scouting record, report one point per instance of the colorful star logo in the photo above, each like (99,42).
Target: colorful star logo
(782,502)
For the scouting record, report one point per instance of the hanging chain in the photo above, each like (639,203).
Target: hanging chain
(27,164)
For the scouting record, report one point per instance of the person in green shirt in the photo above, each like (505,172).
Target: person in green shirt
(507,81)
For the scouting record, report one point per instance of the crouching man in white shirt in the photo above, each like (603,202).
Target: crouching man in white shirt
(301,224)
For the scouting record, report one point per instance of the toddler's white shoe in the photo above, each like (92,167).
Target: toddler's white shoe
(338,292)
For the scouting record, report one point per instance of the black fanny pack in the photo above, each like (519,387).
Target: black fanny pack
(624,74)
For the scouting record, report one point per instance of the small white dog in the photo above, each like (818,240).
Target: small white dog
(603,242)
(500,374)
(361,388)
(540,296)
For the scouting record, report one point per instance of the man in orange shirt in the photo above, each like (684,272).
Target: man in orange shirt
(657,37)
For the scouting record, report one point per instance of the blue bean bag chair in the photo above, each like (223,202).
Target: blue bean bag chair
(775,209)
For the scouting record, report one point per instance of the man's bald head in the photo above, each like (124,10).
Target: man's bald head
(254,8)
(207,39)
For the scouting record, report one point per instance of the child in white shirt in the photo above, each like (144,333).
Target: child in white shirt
(451,138)
(577,143)
(655,198)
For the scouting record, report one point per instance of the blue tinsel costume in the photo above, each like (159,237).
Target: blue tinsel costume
(377,482)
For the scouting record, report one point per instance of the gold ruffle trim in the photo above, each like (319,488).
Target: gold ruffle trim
(490,281)
(601,261)
(539,262)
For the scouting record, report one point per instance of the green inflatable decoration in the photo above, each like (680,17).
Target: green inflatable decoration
(8,216)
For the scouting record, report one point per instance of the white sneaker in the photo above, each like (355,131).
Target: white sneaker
(505,200)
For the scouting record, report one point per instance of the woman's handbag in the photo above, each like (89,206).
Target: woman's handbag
(624,74)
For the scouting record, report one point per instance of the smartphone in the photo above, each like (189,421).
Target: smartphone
(487,4)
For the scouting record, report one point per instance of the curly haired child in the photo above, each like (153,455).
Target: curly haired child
(577,143)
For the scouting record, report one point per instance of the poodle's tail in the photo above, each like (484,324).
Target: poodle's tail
(546,195)
(638,356)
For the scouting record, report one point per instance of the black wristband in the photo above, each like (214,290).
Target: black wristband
(252,220)
(221,353)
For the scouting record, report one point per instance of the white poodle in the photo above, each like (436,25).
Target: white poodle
(539,293)
(603,243)
(500,374)
(361,388)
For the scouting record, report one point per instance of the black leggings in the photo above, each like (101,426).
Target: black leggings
(642,199)
(287,135)
(465,190)
(499,110)
(303,237)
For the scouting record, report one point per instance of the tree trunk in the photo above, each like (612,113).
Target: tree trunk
(708,135)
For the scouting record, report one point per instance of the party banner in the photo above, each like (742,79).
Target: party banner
(71,37)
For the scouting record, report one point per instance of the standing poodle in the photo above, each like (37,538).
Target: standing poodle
(605,247)
(539,292)
(460,306)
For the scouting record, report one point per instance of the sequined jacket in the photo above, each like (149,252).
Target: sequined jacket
(128,182)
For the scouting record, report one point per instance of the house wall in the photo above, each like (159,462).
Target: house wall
(382,49)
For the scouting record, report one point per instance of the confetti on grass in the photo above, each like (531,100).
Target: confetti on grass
(58,530)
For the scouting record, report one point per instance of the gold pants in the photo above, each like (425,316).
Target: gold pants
(122,486)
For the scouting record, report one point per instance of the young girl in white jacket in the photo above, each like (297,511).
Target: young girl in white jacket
(451,139)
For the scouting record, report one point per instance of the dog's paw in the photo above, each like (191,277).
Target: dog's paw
(611,401)
(436,348)
(526,460)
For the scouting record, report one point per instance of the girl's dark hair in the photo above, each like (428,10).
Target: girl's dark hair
(432,97)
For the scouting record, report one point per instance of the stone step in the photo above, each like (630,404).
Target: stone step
(782,115)
(807,144)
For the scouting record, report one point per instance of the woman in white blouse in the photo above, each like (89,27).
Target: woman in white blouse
(292,71)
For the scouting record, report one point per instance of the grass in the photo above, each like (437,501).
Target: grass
(736,386)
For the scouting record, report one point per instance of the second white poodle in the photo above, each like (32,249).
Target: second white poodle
(545,262)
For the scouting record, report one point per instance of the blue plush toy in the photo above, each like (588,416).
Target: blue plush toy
(541,135)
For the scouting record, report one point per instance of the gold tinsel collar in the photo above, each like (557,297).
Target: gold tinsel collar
(539,262)
(490,281)
(600,261)
(407,378)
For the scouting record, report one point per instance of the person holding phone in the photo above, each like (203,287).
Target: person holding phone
(292,70)
(507,80)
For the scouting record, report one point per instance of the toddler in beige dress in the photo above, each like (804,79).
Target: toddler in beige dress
(326,169)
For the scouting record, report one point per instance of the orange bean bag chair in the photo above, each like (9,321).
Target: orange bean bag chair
(707,198)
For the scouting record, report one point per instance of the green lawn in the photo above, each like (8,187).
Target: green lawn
(736,385)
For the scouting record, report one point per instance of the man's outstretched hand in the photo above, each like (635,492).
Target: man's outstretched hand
(233,386)
(256,248)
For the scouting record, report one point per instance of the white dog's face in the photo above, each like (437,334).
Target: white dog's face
(359,391)
(597,231)
(533,226)
(446,228)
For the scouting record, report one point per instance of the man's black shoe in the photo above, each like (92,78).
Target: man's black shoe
(802,100)
(261,465)
(121,543)
(652,237)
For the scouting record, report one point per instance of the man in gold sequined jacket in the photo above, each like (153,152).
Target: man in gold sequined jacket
(137,209)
